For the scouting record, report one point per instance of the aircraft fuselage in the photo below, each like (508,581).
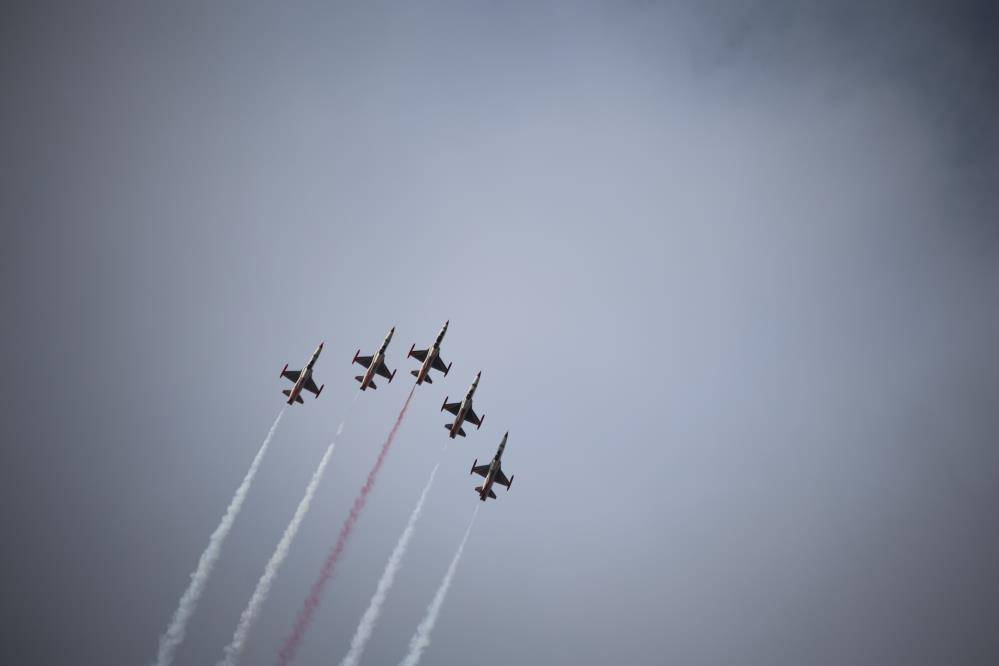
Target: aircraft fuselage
(487,485)
(432,354)
(370,372)
(296,390)
(376,361)
(466,404)
(494,467)
(459,419)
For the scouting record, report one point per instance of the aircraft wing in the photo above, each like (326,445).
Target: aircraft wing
(438,364)
(481,470)
(293,375)
(310,385)
(472,417)
(501,479)
(452,407)
(383,371)
(419,354)
(364,360)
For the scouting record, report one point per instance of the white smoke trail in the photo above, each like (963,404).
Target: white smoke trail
(421,639)
(370,617)
(252,610)
(234,650)
(174,634)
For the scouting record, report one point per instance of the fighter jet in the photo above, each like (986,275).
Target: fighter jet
(374,364)
(463,411)
(429,358)
(302,379)
(493,473)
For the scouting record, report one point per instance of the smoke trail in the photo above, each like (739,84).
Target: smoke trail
(246,620)
(234,650)
(421,639)
(308,610)
(174,634)
(370,617)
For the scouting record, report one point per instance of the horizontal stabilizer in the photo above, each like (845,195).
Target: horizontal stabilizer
(360,378)
(492,495)
(416,373)
(450,426)
(298,398)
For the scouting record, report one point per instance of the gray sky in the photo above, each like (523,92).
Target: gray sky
(730,272)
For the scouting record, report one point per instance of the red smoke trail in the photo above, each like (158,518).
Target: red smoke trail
(308,610)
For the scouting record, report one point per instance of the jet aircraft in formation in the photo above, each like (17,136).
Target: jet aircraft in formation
(302,379)
(375,364)
(429,359)
(463,410)
(493,473)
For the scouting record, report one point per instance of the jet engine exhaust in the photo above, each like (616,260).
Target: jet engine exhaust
(421,639)
(305,615)
(176,630)
(370,617)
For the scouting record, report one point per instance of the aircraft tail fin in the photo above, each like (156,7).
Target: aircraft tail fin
(450,426)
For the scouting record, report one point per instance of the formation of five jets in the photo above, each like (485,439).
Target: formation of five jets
(430,359)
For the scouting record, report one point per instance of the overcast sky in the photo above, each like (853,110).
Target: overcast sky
(730,270)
